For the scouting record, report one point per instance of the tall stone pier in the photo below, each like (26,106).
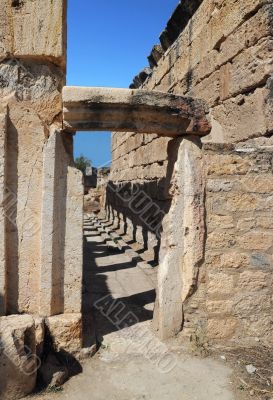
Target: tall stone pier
(40,190)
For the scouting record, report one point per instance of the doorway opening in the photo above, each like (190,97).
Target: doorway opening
(119,262)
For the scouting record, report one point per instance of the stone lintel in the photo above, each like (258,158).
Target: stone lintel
(135,110)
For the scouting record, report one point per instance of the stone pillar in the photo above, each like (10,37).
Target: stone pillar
(62,228)
(3,131)
(51,285)
(183,238)
(32,74)
(74,241)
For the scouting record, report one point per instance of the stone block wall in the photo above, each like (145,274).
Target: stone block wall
(234,296)
(224,56)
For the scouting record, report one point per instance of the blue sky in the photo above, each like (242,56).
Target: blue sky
(108,44)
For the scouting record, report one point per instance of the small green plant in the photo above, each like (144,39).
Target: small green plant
(55,389)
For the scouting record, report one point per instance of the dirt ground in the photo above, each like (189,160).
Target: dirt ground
(132,363)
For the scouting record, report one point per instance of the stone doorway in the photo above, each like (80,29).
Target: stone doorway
(180,231)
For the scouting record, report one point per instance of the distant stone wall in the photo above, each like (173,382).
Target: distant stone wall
(223,55)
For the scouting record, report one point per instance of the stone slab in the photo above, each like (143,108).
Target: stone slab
(142,111)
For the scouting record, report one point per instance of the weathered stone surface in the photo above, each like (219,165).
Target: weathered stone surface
(66,332)
(256,240)
(3,133)
(31,89)
(49,261)
(73,254)
(219,306)
(253,280)
(249,112)
(221,328)
(156,53)
(33,28)
(18,360)
(150,112)
(61,263)
(182,241)
(220,284)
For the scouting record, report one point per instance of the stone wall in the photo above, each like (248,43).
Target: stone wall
(224,56)
(238,276)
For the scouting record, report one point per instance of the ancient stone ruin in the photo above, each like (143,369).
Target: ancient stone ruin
(191,179)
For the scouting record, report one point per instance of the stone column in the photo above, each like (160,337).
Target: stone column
(62,228)
(32,72)
(51,286)
(73,254)
(183,238)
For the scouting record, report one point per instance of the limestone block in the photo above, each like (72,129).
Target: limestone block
(209,88)
(219,221)
(265,222)
(255,240)
(182,243)
(250,113)
(234,260)
(66,332)
(3,133)
(260,326)
(221,240)
(62,223)
(48,258)
(18,360)
(219,306)
(25,136)
(150,112)
(33,28)
(227,164)
(253,280)
(248,70)
(220,284)
(35,83)
(261,183)
(131,144)
(221,328)
(154,151)
(245,305)
(73,242)
(236,201)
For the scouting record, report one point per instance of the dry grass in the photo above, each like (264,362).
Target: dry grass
(257,386)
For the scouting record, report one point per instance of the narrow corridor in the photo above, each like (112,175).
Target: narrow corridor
(131,362)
